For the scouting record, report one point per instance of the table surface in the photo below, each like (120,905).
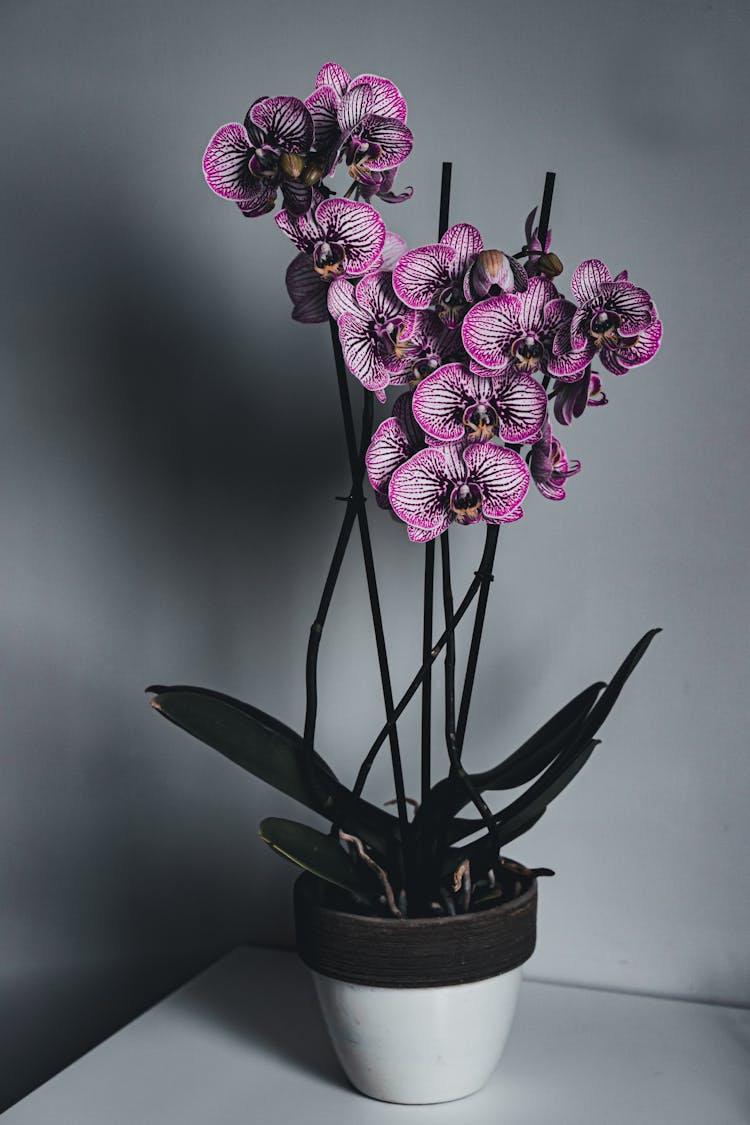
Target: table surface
(244,1043)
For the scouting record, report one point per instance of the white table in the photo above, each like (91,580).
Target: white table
(243,1043)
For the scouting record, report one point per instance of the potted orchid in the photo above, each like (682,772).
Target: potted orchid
(403,915)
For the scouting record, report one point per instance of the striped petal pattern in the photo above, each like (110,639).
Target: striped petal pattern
(286,122)
(225,164)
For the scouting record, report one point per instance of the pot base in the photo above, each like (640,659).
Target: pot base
(418,1046)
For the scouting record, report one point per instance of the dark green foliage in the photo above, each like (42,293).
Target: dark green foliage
(546,763)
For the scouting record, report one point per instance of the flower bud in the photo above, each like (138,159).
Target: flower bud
(550,265)
(292,165)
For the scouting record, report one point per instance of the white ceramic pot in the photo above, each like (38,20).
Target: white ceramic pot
(418,1009)
(419,1045)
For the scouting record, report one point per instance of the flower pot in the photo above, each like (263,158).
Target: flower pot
(418,1009)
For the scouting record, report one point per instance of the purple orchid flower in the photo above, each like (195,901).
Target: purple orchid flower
(342,236)
(550,467)
(248,163)
(441,485)
(393,443)
(516,332)
(613,317)
(311,293)
(370,114)
(455,405)
(373,325)
(434,276)
(571,399)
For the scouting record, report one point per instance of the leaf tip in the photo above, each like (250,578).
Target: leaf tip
(155,704)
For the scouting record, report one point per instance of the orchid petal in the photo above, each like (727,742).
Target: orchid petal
(393,139)
(521,405)
(225,164)
(419,490)
(387,99)
(394,248)
(354,107)
(466,241)
(389,448)
(404,412)
(360,355)
(261,202)
(286,122)
(303,230)
(331,74)
(375,295)
(588,279)
(500,474)
(357,226)
(341,298)
(490,327)
(420,275)
(297,197)
(570,366)
(579,328)
(307,290)
(419,535)
(532,304)
(322,106)
(633,305)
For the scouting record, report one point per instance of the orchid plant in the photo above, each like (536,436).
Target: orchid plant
(479,344)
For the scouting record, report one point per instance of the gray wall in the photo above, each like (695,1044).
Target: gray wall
(153,386)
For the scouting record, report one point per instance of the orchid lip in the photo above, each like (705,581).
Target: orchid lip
(603,328)
(466,503)
(481,421)
(528,353)
(328,259)
(422,368)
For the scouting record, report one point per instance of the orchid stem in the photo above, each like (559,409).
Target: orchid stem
(429,556)
(476,637)
(316,630)
(413,687)
(372,588)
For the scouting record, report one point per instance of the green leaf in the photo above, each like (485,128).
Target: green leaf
(272,752)
(533,802)
(314,851)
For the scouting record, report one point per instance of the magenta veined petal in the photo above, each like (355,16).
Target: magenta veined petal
(419,535)
(302,229)
(341,298)
(354,107)
(420,488)
(387,99)
(509,517)
(588,279)
(394,248)
(307,290)
(501,476)
(569,367)
(389,448)
(532,303)
(579,325)
(375,294)
(357,226)
(334,75)
(322,106)
(393,139)
(286,121)
(641,350)
(490,328)
(225,164)
(521,405)
(360,355)
(633,305)
(441,400)
(466,241)
(420,275)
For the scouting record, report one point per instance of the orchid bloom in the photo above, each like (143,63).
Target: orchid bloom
(435,276)
(430,345)
(550,467)
(441,485)
(370,116)
(373,325)
(613,317)
(571,399)
(455,405)
(248,163)
(515,332)
(344,237)
(311,292)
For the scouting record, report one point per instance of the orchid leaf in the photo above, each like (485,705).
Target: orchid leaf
(272,752)
(609,696)
(315,852)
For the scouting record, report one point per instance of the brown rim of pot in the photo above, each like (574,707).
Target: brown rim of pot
(413,952)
